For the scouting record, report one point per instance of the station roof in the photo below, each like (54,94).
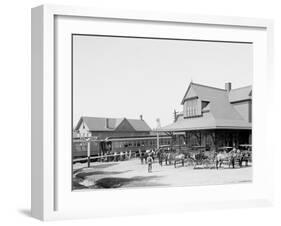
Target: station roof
(205,123)
(219,113)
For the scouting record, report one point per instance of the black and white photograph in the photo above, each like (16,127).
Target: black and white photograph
(160,112)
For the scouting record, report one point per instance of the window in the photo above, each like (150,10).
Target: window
(191,107)
(204,104)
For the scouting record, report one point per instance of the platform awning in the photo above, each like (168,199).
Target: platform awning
(206,123)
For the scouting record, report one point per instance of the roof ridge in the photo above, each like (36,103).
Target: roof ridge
(208,86)
(134,119)
(101,117)
(243,87)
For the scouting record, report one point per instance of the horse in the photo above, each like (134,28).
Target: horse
(168,158)
(226,157)
(178,158)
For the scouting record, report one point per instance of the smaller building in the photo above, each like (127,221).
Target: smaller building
(110,127)
(102,130)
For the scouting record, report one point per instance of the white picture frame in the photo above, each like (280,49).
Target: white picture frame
(52,198)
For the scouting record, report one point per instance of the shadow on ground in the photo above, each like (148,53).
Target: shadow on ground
(137,181)
(119,182)
(101,166)
(83,175)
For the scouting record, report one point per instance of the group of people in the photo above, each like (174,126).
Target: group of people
(233,154)
(148,157)
(168,156)
(144,155)
(115,156)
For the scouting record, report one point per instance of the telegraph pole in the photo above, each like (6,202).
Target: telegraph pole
(157,132)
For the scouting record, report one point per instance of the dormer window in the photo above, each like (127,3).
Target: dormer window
(205,106)
(192,107)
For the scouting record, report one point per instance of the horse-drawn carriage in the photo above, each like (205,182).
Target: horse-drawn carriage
(171,155)
(196,156)
(232,156)
(201,157)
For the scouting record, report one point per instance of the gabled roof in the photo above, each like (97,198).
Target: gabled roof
(240,94)
(208,92)
(139,125)
(219,104)
(220,114)
(202,91)
(111,124)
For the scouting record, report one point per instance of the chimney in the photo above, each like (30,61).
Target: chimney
(141,117)
(228,86)
(107,123)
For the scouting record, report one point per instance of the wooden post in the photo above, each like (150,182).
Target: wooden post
(89,152)
(172,140)
(179,143)
(158,145)
(185,139)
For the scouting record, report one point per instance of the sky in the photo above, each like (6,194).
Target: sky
(127,77)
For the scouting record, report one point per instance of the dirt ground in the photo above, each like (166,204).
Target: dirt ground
(132,173)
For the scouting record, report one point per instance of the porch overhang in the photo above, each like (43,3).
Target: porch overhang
(206,124)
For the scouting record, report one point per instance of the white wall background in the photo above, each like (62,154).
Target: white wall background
(15,110)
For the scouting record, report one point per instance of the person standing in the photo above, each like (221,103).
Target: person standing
(141,156)
(121,156)
(149,163)
(166,157)
(232,154)
(160,158)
